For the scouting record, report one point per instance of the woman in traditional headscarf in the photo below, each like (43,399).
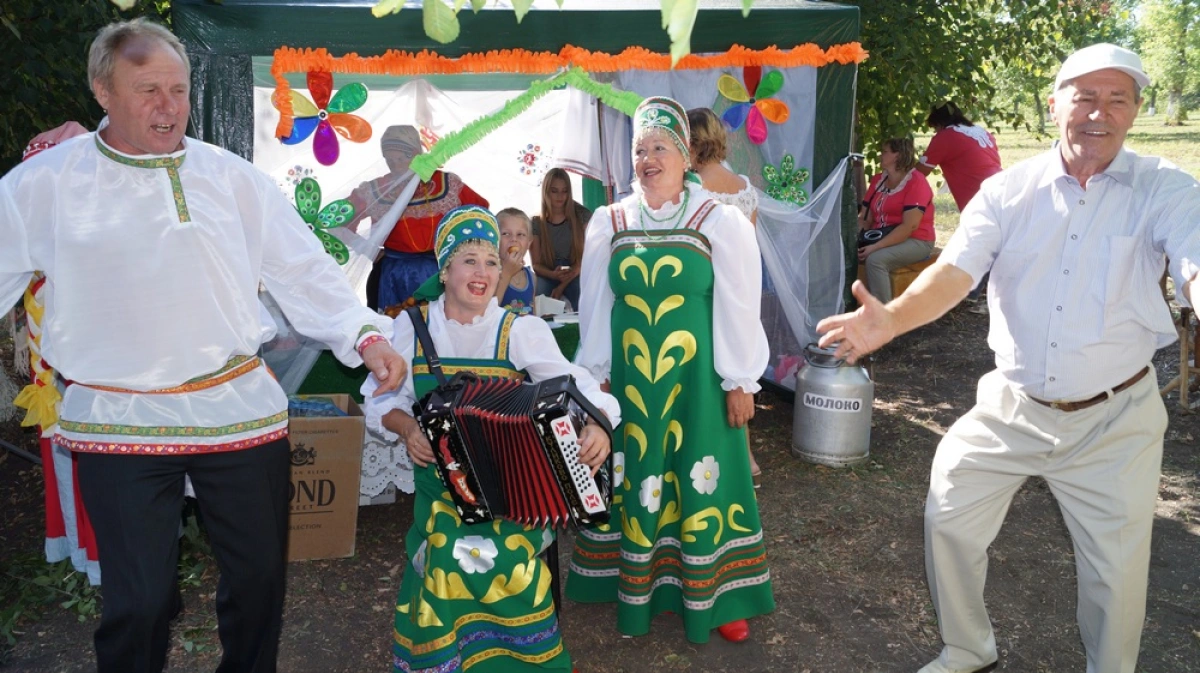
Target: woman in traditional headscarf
(670,316)
(474,595)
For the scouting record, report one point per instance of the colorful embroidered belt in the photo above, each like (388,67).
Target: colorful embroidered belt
(235,367)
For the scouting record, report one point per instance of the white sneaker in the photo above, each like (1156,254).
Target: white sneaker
(936,666)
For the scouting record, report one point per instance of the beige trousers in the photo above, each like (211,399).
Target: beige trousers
(1102,465)
(881,262)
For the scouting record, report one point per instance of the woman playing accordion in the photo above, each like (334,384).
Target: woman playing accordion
(474,596)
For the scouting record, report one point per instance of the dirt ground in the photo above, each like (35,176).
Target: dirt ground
(845,548)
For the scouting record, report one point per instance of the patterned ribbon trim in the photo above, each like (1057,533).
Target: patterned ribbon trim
(237,366)
(172,165)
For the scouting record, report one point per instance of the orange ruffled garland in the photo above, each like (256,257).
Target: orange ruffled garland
(402,63)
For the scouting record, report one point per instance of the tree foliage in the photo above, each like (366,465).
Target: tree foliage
(1023,84)
(45,56)
(927,51)
(1169,36)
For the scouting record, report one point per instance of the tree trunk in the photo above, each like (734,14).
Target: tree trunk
(1040,105)
(1174,115)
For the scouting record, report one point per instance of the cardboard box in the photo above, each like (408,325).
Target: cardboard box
(323,496)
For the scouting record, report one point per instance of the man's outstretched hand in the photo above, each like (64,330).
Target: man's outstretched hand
(861,332)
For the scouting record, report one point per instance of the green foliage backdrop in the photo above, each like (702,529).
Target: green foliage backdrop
(44,61)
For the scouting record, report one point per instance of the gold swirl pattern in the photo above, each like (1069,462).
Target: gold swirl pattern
(671,511)
(671,400)
(637,264)
(641,361)
(683,340)
(635,396)
(666,306)
(503,587)
(699,522)
(669,260)
(639,435)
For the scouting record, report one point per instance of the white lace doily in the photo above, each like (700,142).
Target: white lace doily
(384,463)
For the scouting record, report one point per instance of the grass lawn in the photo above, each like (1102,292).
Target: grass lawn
(1178,144)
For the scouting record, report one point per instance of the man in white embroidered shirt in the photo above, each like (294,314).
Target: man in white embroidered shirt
(1075,240)
(153,246)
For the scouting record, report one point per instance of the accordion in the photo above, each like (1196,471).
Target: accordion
(509,449)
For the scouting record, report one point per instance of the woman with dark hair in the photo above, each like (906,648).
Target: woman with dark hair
(966,153)
(557,246)
(896,218)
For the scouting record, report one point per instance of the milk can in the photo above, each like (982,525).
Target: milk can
(831,422)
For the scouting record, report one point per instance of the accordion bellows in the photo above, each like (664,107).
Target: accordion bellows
(509,449)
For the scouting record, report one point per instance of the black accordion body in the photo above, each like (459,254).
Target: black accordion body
(509,449)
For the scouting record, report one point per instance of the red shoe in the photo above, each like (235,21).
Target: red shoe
(735,632)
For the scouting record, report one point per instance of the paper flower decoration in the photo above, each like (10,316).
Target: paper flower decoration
(754,111)
(786,183)
(318,219)
(327,118)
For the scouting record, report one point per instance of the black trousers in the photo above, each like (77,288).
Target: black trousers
(134,504)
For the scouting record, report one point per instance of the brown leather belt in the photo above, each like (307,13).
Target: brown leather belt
(1092,401)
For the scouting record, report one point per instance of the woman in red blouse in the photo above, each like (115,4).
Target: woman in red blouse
(895,220)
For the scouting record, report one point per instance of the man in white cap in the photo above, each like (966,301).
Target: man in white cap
(1075,240)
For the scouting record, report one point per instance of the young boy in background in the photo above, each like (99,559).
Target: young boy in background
(515,290)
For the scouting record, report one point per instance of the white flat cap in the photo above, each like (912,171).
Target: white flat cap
(1101,57)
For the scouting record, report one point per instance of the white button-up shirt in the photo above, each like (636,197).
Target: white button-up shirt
(1074,297)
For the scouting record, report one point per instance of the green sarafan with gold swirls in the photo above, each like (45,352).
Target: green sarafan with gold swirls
(685,534)
(474,597)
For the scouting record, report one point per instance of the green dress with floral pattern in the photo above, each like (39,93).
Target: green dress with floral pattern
(685,535)
(474,597)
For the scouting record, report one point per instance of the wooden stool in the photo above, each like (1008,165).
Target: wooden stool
(903,276)
(1189,343)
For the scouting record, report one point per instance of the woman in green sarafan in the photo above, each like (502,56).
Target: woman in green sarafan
(474,597)
(670,316)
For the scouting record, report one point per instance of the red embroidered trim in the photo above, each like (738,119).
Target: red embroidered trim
(167,449)
(367,341)
(34,148)
(700,214)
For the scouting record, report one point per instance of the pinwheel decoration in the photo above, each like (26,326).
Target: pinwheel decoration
(753,112)
(786,183)
(327,117)
(318,219)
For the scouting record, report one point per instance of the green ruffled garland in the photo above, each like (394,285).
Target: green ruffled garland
(453,144)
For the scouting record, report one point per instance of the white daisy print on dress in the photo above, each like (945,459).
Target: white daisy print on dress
(705,474)
(475,554)
(651,493)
